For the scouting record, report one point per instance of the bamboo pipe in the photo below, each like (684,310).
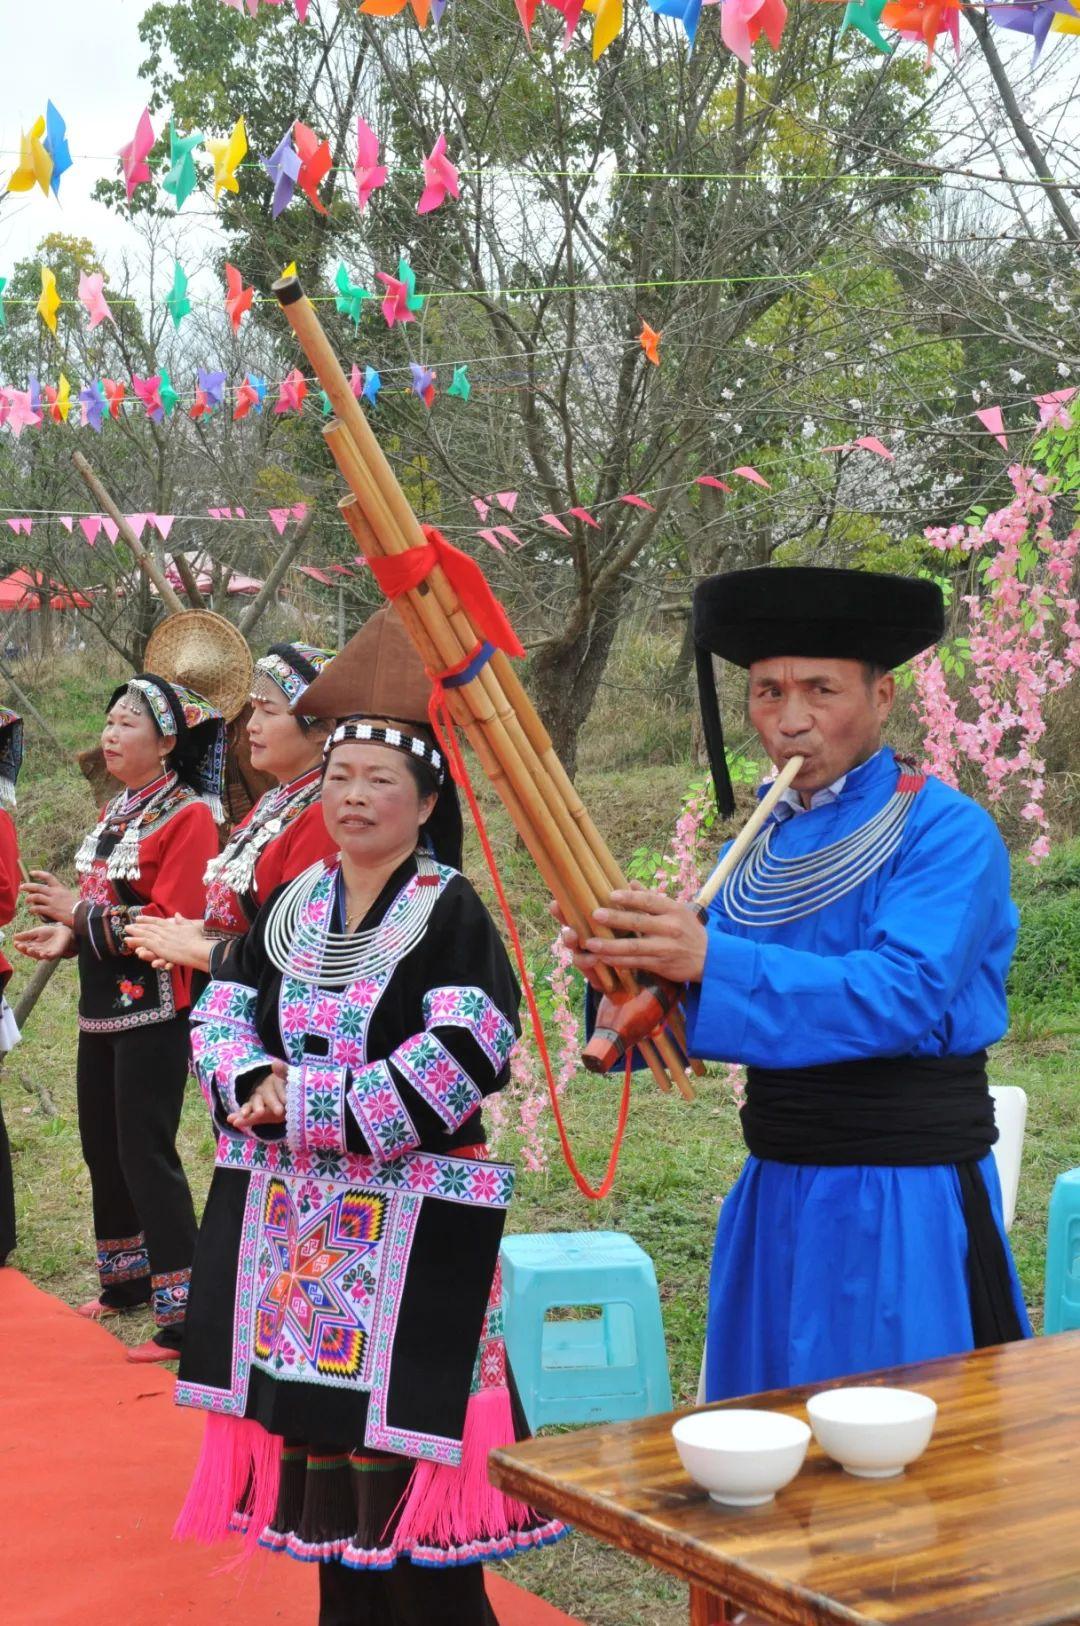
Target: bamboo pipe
(546,811)
(368,543)
(301,316)
(169,596)
(391,499)
(305,324)
(496,709)
(748,832)
(460,712)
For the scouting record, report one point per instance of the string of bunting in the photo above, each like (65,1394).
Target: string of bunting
(302,160)
(1053,411)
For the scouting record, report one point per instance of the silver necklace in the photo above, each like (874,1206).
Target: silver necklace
(767,889)
(301,944)
(235,864)
(122,863)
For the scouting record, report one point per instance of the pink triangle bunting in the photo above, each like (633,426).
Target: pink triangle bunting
(504,530)
(711,480)
(137,523)
(110,527)
(67,522)
(215,513)
(635,501)
(507,500)
(585,517)
(163,523)
(299,510)
(14,524)
(555,522)
(482,508)
(870,443)
(240,514)
(90,525)
(279,519)
(492,540)
(993,420)
(749,473)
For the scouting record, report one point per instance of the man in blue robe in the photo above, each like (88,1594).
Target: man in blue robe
(855,962)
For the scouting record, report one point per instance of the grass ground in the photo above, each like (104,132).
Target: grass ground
(677,1161)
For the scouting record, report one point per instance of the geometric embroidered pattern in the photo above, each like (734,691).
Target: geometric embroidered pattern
(434,1074)
(122,1259)
(429,1174)
(223,1053)
(316,1280)
(471,1009)
(314,1114)
(380,1112)
(231,1002)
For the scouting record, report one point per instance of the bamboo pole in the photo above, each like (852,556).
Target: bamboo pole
(462,715)
(416,611)
(748,832)
(396,528)
(455,643)
(169,595)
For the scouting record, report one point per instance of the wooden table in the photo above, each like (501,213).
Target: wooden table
(984,1528)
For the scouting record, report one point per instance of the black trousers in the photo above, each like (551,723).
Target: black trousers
(404,1596)
(7,1193)
(130,1089)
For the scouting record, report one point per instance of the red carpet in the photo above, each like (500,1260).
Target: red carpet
(94,1462)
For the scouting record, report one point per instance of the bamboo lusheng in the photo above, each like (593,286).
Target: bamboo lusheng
(397,530)
(621,1019)
(455,640)
(463,717)
(480,705)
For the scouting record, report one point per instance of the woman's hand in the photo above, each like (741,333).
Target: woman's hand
(266,1103)
(50,942)
(166,943)
(49,898)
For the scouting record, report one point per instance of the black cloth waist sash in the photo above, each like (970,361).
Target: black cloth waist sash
(896,1111)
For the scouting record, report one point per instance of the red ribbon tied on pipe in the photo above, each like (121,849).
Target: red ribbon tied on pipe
(401,572)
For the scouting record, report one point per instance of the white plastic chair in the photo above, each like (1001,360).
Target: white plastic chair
(1010,1112)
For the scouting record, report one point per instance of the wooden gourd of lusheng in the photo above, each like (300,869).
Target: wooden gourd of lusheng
(493,711)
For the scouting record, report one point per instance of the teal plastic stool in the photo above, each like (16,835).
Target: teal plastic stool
(606,1368)
(1061,1304)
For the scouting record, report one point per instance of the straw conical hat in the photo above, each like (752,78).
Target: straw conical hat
(377,674)
(204,651)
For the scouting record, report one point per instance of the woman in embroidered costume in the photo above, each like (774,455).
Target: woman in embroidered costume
(344,1333)
(166,746)
(855,962)
(11,745)
(282,834)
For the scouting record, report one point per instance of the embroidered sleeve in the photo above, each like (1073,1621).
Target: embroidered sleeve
(315,1112)
(104,926)
(228,1054)
(380,1113)
(473,1010)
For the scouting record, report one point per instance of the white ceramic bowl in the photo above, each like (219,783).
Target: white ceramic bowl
(873,1433)
(742,1458)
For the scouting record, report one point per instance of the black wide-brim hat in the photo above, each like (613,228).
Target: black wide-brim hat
(796,610)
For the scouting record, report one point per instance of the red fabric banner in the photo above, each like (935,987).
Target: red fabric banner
(403,571)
